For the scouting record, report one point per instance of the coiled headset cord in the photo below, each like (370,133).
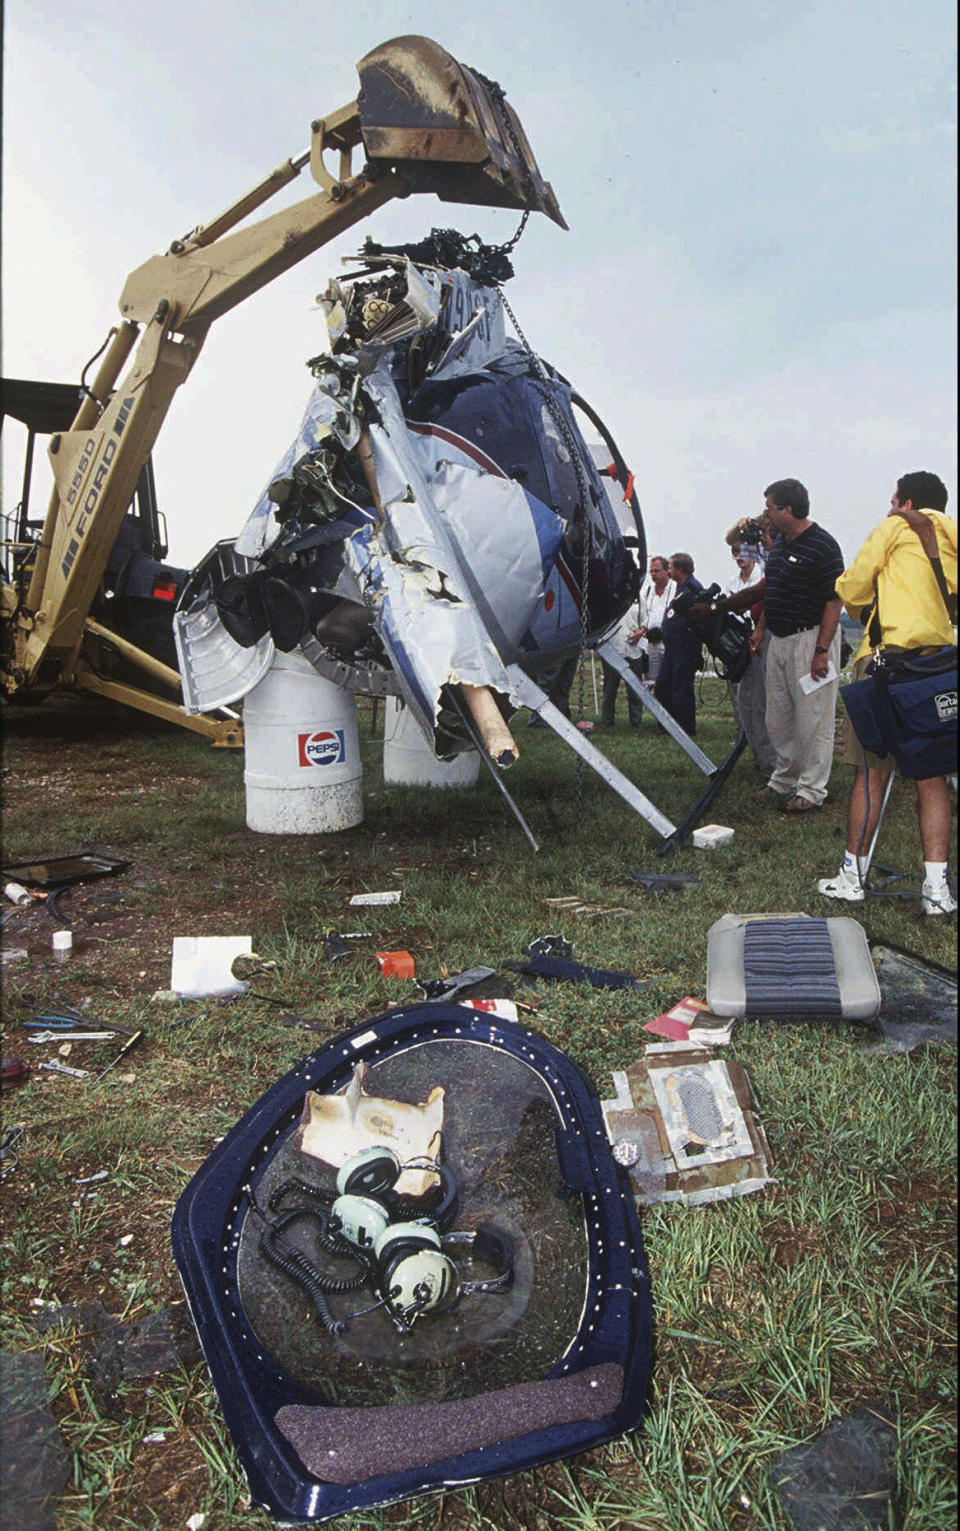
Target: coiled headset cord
(317,1284)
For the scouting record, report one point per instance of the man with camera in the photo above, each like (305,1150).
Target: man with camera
(749,694)
(656,594)
(642,644)
(631,641)
(682,651)
(902,585)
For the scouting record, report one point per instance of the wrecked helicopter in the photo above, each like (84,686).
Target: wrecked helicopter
(438,530)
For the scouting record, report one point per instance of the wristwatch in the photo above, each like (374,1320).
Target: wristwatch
(821,650)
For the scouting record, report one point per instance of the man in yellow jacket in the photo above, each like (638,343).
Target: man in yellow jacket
(893,580)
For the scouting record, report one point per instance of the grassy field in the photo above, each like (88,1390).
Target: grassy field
(774,1315)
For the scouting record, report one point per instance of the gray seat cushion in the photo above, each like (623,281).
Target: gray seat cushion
(791,967)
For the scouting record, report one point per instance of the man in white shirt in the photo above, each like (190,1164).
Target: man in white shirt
(748,571)
(633,641)
(657,592)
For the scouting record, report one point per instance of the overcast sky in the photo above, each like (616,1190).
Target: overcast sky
(758,280)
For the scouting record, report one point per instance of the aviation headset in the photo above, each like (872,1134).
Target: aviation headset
(407,1248)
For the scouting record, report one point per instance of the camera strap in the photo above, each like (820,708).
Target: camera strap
(875,627)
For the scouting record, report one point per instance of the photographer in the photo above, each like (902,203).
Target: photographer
(894,586)
(682,651)
(655,596)
(749,543)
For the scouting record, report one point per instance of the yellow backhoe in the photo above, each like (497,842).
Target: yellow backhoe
(422,123)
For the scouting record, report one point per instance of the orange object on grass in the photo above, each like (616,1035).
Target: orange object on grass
(396,964)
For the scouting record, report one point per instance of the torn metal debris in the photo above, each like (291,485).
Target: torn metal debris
(686,1127)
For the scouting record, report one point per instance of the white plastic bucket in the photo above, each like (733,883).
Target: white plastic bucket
(408,760)
(302,760)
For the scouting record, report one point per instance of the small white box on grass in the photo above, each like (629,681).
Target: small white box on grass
(709,836)
(201,965)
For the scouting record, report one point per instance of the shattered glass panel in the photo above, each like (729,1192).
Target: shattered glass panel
(918,1000)
(499,1125)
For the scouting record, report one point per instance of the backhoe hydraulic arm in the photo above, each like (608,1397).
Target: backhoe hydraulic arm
(423,123)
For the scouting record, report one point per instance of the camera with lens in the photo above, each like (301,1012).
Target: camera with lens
(725,634)
(750,532)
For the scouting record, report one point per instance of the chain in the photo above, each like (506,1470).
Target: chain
(499,95)
(581,523)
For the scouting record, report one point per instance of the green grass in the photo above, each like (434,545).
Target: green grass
(774,1315)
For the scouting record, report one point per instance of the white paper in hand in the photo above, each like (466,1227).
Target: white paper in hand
(808,683)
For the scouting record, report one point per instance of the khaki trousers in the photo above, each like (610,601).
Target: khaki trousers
(801,726)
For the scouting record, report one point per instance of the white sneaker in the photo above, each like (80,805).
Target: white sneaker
(937,898)
(846,885)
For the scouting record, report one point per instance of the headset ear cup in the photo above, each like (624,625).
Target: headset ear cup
(415,1275)
(406,1238)
(359,1219)
(372,1172)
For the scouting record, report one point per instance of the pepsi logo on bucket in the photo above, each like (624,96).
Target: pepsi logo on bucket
(321,747)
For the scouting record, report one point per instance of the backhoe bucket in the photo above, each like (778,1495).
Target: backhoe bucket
(446,129)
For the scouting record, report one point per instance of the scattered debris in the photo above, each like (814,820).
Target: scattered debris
(9,1143)
(36,1466)
(17,893)
(665,882)
(459,983)
(57,872)
(203,965)
(918,1001)
(13,954)
(47,879)
(250,965)
(131,1042)
(160,1342)
(62,945)
(335,1127)
(550,957)
(56,1067)
(13,1069)
(844,1477)
(396,964)
(595,911)
(692,1121)
(504,1009)
(692,1021)
(291,1019)
(549,946)
(43,1037)
(373,900)
(709,836)
(334,946)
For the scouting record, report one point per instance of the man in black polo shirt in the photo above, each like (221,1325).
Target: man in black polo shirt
(802,612)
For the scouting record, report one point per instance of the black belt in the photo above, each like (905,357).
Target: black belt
(791,631)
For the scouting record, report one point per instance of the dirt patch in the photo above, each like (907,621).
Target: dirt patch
(789,1244)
